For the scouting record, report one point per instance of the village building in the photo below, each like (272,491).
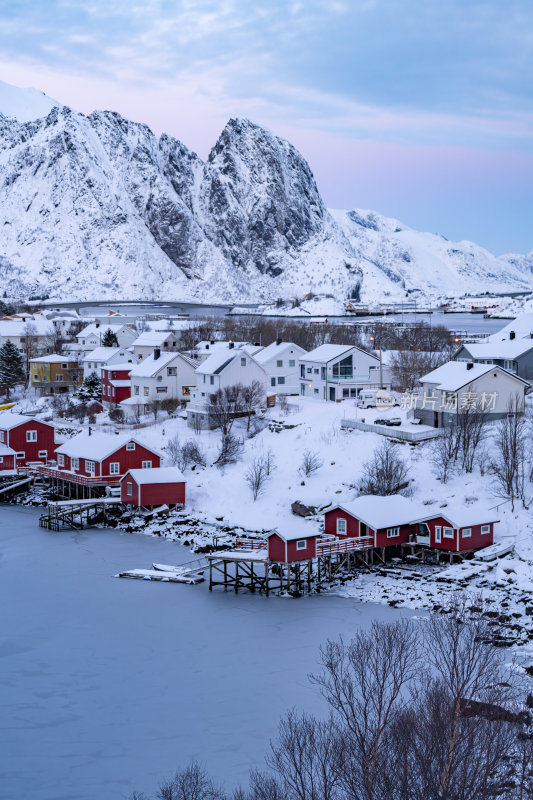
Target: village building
(155,487)
(460,386)
(102,458)
(340,372)
(31,439)
(91,336)
(456,528)
(32,334)
(280,360)
(513,354)
(102,356)
(8,460)
(54,374)
(201,351)
(148,341)
(159,376)
(116,383)
(221,370)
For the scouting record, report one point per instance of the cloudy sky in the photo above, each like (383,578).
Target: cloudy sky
(419,109)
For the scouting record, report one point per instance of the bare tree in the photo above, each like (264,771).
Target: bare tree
(385,473)
(470,430)
(192,453)
(154,407)
(444,451)
(230,450)
(252,398)
(256,476)
(409,365)
(269,462)
(224,406)
(173,450)
(170,404)
(311,462)
(509,463)
(191,783)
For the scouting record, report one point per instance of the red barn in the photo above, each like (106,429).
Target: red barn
(153,487)
(31,439)
(116,384)
(456,528)
(7,459)
(299,545)
(389,520)
(104,456)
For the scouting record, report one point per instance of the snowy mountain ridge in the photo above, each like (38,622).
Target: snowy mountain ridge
(96,206)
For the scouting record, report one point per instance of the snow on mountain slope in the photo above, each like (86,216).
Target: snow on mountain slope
(400,258)
(24,104)
(98,207)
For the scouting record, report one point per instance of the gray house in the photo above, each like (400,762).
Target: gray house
(513,354)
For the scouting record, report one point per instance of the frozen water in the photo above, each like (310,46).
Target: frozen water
(109,685)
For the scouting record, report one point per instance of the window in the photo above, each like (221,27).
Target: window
(392,533)
(243,362)
(136,390)
(485,529)
(212,380)
(60,460)
(89,365)
(129,488)
(279,363)
(43,453)
(316,391)
(467,532)
(447,533)
(113,374)
(147,465)
(341,527)
(438,534)
(146,391)
(302,371)
(281,380)
(161,390)
(292,362)
(272,381)
(345,393)
(89,466)
(130,446)
(172,370)
(316,371)
(309,370)
(2,436)
(301,544)
(1,459)
(114,468)
(322,373)
(31,436)
(64,366)
(74,463)
(21,455)
(302,389)
(59,379)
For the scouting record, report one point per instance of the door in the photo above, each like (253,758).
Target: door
(363,530)
(435,419)
(332,393)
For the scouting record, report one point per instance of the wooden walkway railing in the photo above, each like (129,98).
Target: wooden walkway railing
(344,545)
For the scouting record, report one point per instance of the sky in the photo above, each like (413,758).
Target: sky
(419,109)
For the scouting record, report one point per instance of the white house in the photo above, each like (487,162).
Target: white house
(157,377)
(463,385)
(28,331)
(280,360)
(339,371)
(91,336)
(145,344)
(204,349)
(104,356)
(222,369)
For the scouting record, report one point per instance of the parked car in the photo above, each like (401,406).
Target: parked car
(380,422)
(393,421)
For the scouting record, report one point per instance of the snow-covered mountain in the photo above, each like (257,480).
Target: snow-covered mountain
(97,206)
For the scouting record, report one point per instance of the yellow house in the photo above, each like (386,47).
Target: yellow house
(54,374)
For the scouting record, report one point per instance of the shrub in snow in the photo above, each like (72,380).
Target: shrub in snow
(256,476)
(311,462)
(230,450)
(116,415)
(385,472)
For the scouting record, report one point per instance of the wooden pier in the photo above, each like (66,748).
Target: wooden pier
(76,514)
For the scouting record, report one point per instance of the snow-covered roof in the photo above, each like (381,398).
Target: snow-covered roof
(9,420)
(522,326)
(298,529)
(327,352)
(150,366)
(460,516)
(383,512)
(215,363)
(18,326)
(6,451)
(507,349)
(455,374)
(119,366)
(53,358)
(97,446)
(118,384)
(100,329)
(274,350)
(153,338)
(102,353)
(156,475)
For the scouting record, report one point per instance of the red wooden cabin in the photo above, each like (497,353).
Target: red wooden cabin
(116,383)
(389,520)
(31,439)
(103,457)
(153,487)
(7,459)
(299,545)
(456,528)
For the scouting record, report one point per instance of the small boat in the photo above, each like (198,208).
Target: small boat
(494,551)
(167,568)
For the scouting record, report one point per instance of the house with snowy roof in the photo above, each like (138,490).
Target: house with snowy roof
(28,332)
(339,372)
(101,357)
(101,458)
(224,368)
(159,376)
(280,360)
(158,486)
(202,350)
(91,336)
(460,386)
(54,374)
(31,439)
(514,353)
(145,344)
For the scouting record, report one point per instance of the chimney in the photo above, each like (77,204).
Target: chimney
(231,345)
(470,365)
(157,353)
(512,334)
(97,325)
(211,342)
(278,342)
